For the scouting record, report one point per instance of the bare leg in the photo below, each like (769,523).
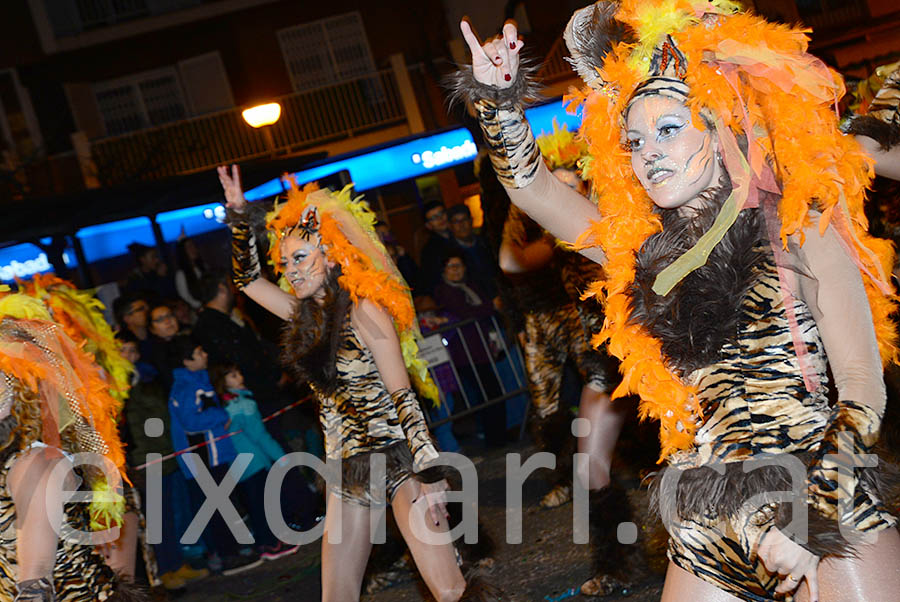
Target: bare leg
(681,585)
(436,563)
(606,418)
(873,576)
(121,554)
(344,564)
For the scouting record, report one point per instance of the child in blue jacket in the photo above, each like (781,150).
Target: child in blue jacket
(197,417)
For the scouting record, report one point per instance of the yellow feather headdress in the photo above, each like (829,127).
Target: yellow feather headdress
(747,77)
(346,226)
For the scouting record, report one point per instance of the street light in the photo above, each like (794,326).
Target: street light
(261,117)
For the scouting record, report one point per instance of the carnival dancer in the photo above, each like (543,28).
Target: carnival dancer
(350,334)
(55,402)
(728,217)
(559,333)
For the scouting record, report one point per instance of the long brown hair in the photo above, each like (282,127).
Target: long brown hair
(311,337)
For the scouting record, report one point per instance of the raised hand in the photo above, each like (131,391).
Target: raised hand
(231,186)
(496,63)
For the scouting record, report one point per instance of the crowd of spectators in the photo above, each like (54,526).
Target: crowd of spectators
(204,370)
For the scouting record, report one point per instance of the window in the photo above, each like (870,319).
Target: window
(140,101)
(71,17)
(326,51)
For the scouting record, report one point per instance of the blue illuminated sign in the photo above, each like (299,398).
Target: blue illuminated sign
(416,157)
(193,220)
(377,168)
(25,260)
(111,240)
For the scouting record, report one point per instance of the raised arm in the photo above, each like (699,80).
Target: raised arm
(244,256)
(497,90)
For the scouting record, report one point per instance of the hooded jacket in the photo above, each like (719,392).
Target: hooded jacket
(195,410)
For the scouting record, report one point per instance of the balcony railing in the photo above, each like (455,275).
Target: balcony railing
(555,66)
(308,118)
(71,17)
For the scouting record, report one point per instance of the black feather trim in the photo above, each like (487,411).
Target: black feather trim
(706,492)
(702,313)
(885,134)
(591,34)
(463,87)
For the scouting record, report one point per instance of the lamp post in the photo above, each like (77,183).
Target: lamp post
(261,117)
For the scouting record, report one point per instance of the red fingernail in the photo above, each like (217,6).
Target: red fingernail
(496,58)
(507,77)
(512,45)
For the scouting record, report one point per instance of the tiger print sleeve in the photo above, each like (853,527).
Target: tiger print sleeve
(412,421)
(512,147)
(244,257)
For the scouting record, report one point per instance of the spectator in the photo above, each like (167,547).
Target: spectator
(481,263)
(250,436)
(132,312)
(198,419)
(163,328)
(231,342)
(439,244)
(465,300)
(151,276)
(191,267)
(147,400)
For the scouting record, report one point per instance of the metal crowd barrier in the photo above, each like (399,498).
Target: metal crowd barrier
(454,350)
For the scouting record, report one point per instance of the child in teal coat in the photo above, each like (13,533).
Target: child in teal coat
(250,436)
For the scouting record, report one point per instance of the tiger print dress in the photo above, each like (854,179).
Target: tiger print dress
(80,573)
(361,417)
(755,402)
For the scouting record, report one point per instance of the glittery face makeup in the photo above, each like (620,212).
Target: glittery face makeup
(672,159)
(304,266)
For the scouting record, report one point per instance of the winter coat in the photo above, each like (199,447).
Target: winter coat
(253,438)
(195,410)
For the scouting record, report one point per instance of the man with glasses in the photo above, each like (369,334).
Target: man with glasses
(480,262)
(131,312)
(440,243)
(163,328)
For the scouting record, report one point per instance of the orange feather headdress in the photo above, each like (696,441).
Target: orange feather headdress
(346,228)
(747,77)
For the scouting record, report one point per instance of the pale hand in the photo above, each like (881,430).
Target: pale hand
(791,561)
(496,63)
(434,494)
(231,186)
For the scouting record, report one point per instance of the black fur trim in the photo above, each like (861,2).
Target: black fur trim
(553,434)
(7,426)
(524,90)
(704,491)
(702,313)
(129,592)
(609,507)
(311,338)
(254,214)
(885,134)
(479,590)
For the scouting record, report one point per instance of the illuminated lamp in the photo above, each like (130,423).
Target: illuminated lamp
(262,115)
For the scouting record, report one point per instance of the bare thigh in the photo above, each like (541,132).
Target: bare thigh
(344,563)
(873,576)
(682,586)
(436,561)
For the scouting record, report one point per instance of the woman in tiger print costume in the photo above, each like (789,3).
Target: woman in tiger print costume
(737,272)
(52,396)
(349,333)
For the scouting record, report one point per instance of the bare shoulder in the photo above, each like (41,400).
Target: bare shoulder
(371,321)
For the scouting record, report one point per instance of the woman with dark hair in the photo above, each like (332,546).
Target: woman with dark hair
(191,267)
(727,210)
(460,296)
(350,334)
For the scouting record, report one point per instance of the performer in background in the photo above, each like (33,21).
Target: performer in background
(728,218)
(559,326)
(350,334)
